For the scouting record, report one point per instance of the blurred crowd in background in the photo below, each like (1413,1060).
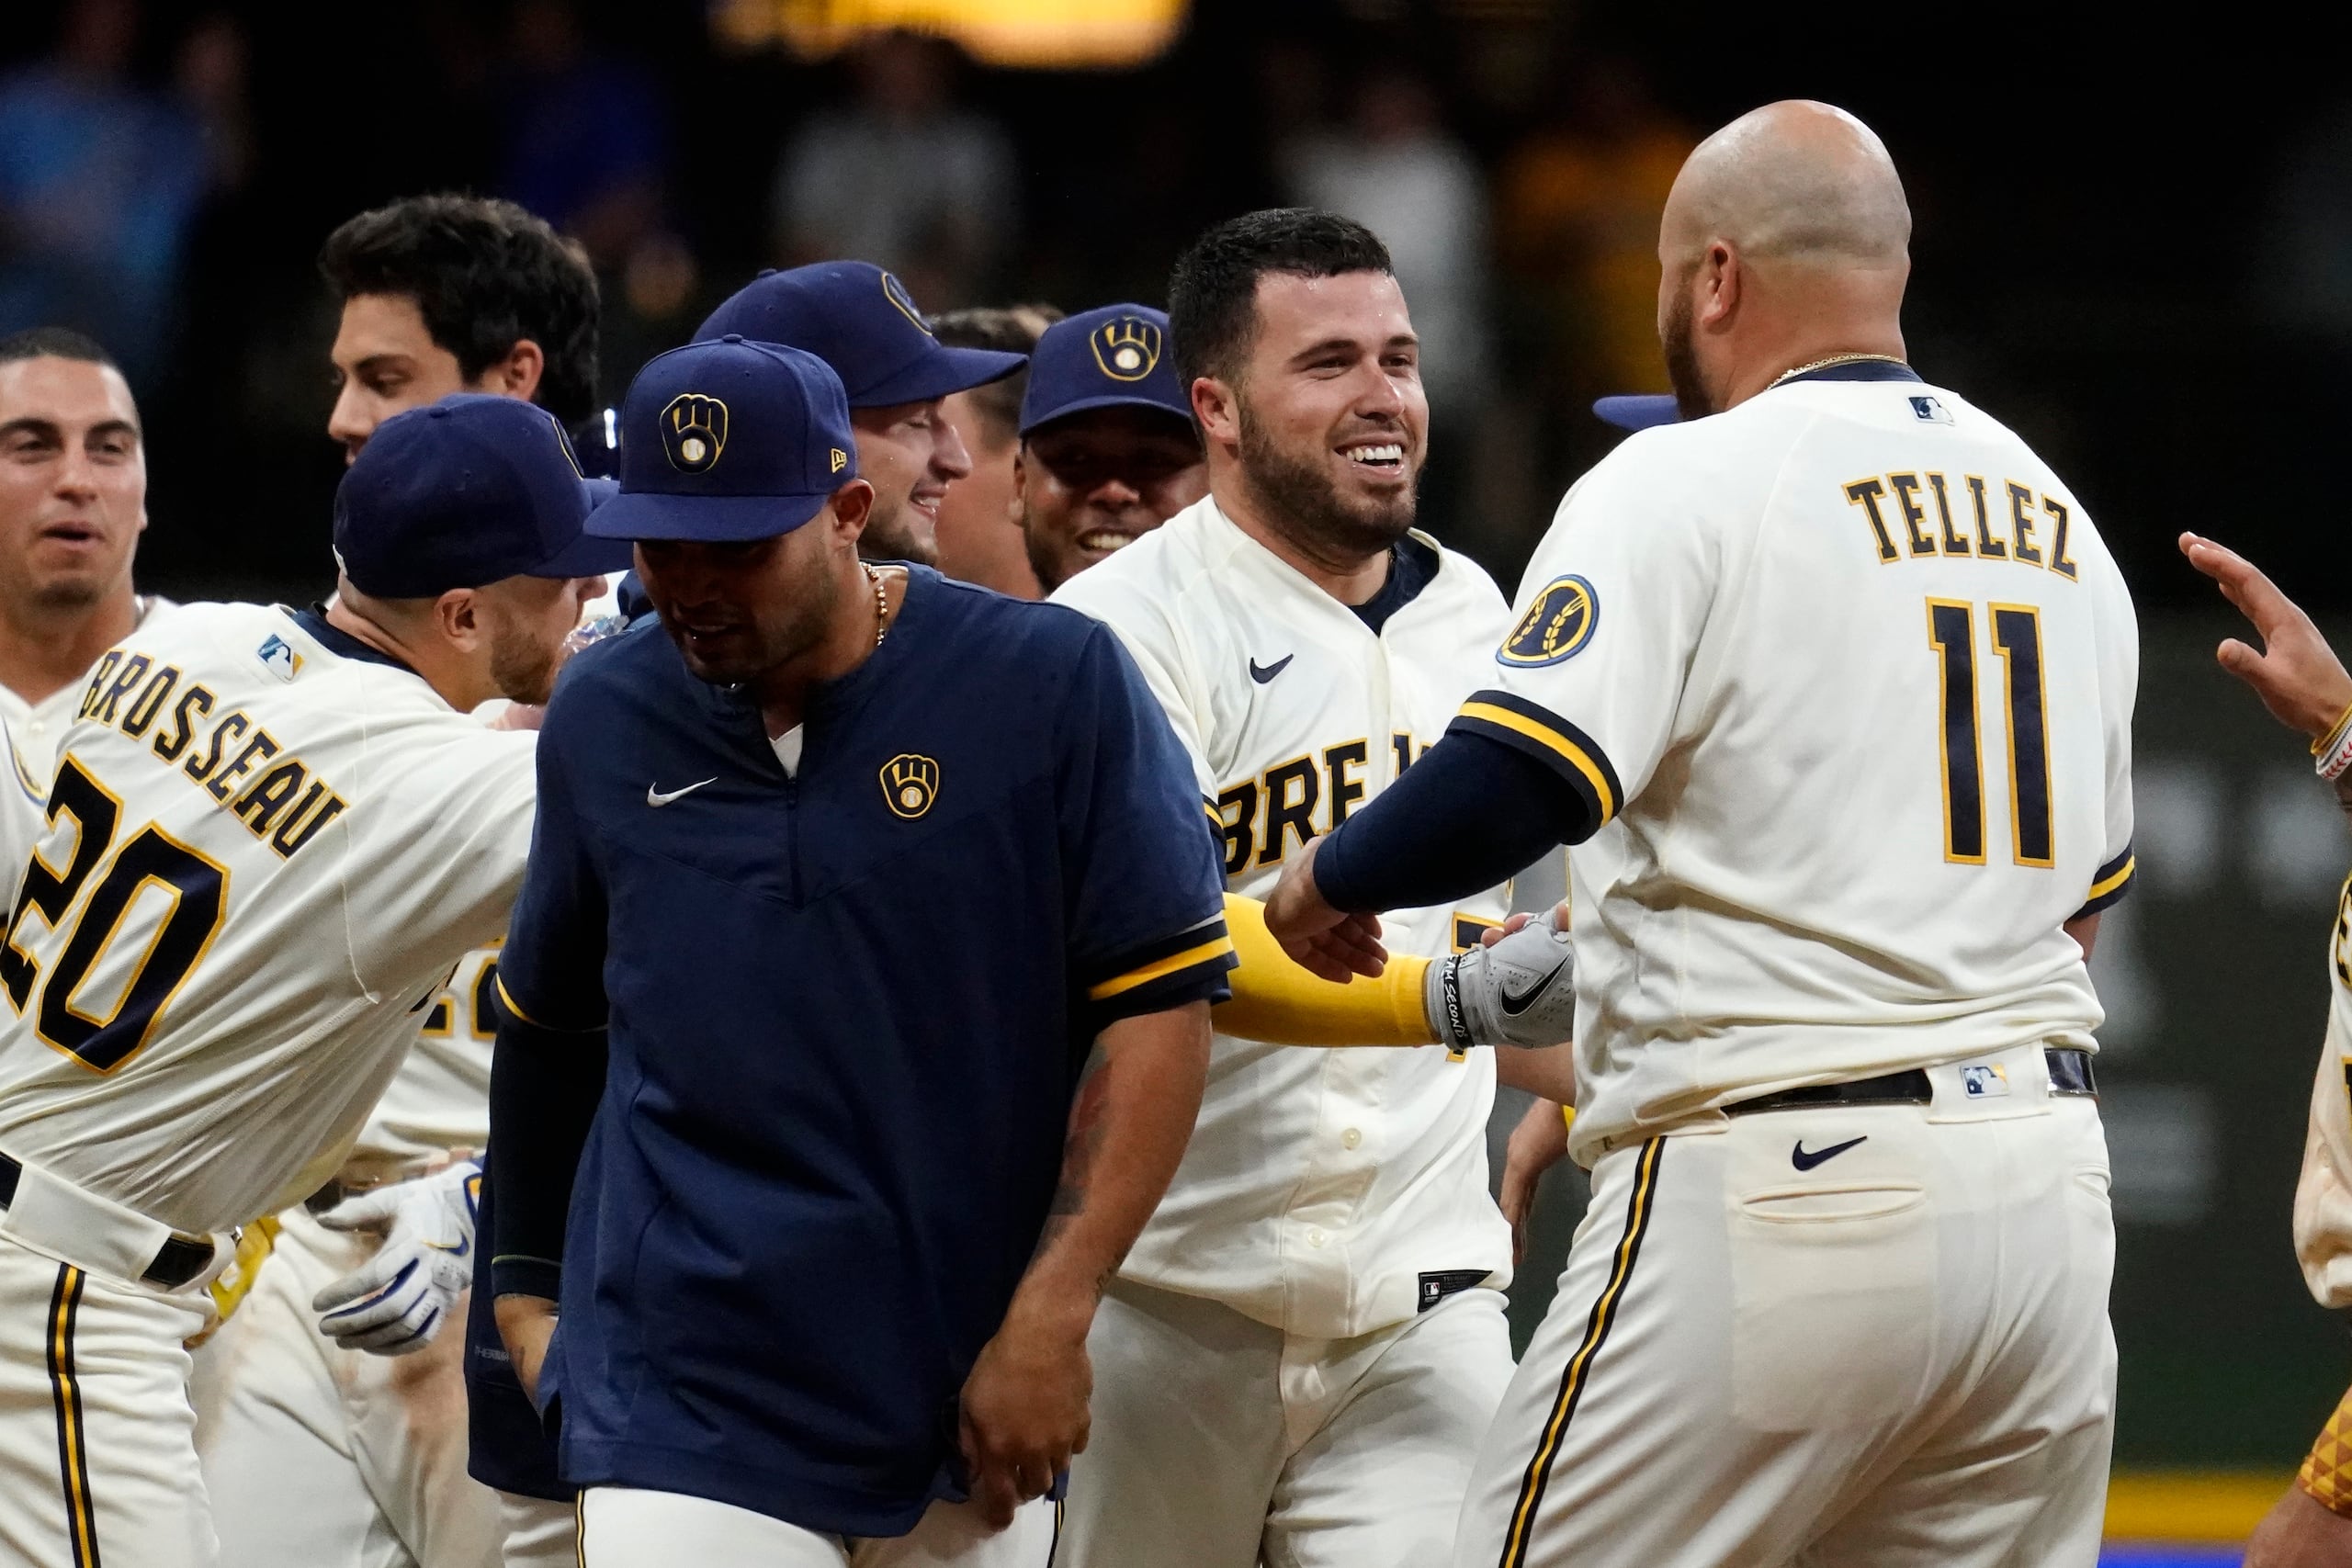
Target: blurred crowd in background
(167,171)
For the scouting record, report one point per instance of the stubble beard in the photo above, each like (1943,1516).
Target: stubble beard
(1301,502)
(893,534)
(522,667)
(1682,374)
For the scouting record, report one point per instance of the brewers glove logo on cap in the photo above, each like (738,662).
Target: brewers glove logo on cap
(694,431)
(896,292)
(1556,627)
(1127,349)
(910,784)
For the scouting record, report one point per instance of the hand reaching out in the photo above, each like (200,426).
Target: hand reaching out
(2296,674)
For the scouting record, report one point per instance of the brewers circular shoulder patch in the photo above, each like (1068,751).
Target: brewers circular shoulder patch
(1557,627)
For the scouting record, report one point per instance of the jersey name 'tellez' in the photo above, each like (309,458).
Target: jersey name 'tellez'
(267,844)
(1319,1186)
(1849,673)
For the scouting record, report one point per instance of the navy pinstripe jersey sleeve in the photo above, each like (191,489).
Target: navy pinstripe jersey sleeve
(1143,879)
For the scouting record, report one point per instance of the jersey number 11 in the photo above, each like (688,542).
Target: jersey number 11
(2017,637)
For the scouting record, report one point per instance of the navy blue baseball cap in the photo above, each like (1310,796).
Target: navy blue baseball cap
(463,492)
(1114,357)
(728,442)
(1638,410)
(862,321)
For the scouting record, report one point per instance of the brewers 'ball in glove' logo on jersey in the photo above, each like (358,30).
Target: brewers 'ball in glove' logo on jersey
(694,431)
(1127,349)
(1557,627)
(910,784)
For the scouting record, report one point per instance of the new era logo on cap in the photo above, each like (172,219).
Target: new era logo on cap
(727,442)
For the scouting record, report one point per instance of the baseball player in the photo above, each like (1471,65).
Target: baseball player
(980,522)
(833,1308)
(2301,682)
(72,504)
(270,835)
(331,1408)
(1110,453)
(1298,1356)
(1830,690)
(861,321)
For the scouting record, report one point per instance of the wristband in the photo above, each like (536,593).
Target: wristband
(2332,761)
(2336,734)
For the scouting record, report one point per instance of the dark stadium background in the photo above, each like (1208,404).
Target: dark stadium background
(2134,242)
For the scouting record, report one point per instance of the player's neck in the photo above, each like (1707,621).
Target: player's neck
(849,640)
(1349,578)
(1758,371)
(45,648)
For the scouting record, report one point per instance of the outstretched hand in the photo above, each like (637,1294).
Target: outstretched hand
(2296,674)
(1320,939)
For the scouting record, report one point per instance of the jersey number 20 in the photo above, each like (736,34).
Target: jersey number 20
(197,885)
(2017,637)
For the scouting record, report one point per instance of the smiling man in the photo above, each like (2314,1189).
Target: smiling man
(1317,1298)
(448,293)
(861,321)
(72,504)
(1108,448)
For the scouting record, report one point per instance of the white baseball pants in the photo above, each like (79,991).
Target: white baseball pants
(623,1526)
(1870,1336)
(1221,1442)
(319,1457)
(98,1452)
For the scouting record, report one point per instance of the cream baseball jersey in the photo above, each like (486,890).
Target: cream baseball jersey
(1320,1186)
(265,846)
(1848,674)
(39,728)
(2323,1195)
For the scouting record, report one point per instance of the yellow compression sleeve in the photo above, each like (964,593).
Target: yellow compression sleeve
(1277,1001)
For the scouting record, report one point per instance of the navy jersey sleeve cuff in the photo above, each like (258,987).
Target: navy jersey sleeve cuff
(1535,731)
(1472,812)
(2112,882)
(1189,965)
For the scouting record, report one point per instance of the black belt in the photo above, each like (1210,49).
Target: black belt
(178,1260)
(2070,1073)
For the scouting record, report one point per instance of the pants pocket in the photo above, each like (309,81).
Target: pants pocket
(1833,1299)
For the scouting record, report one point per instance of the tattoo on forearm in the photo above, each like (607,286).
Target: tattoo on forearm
(1089,1122)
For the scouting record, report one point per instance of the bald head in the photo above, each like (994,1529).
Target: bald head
(1786,240)
(1795,181)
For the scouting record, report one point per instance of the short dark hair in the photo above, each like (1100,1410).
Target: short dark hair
(54,342)
(485,275)
(1008,329)
(1212,293)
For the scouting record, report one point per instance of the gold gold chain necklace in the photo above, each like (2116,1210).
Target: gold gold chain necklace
(1834,359)
(881,605)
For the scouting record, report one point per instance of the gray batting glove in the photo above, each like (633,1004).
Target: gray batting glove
(1521,991)
(395,1302)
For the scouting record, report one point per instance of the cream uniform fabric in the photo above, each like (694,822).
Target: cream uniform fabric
(39,728)
(321,838)
(1319,1185)
(1853,673)
(1865,747)
(2323,1195)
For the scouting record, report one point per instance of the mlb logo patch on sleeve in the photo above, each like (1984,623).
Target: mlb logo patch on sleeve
(1930,411)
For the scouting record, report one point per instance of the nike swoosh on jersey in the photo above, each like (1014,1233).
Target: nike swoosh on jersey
(655,798)
(1517,1002)
(1262,673)
(1806,1160)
